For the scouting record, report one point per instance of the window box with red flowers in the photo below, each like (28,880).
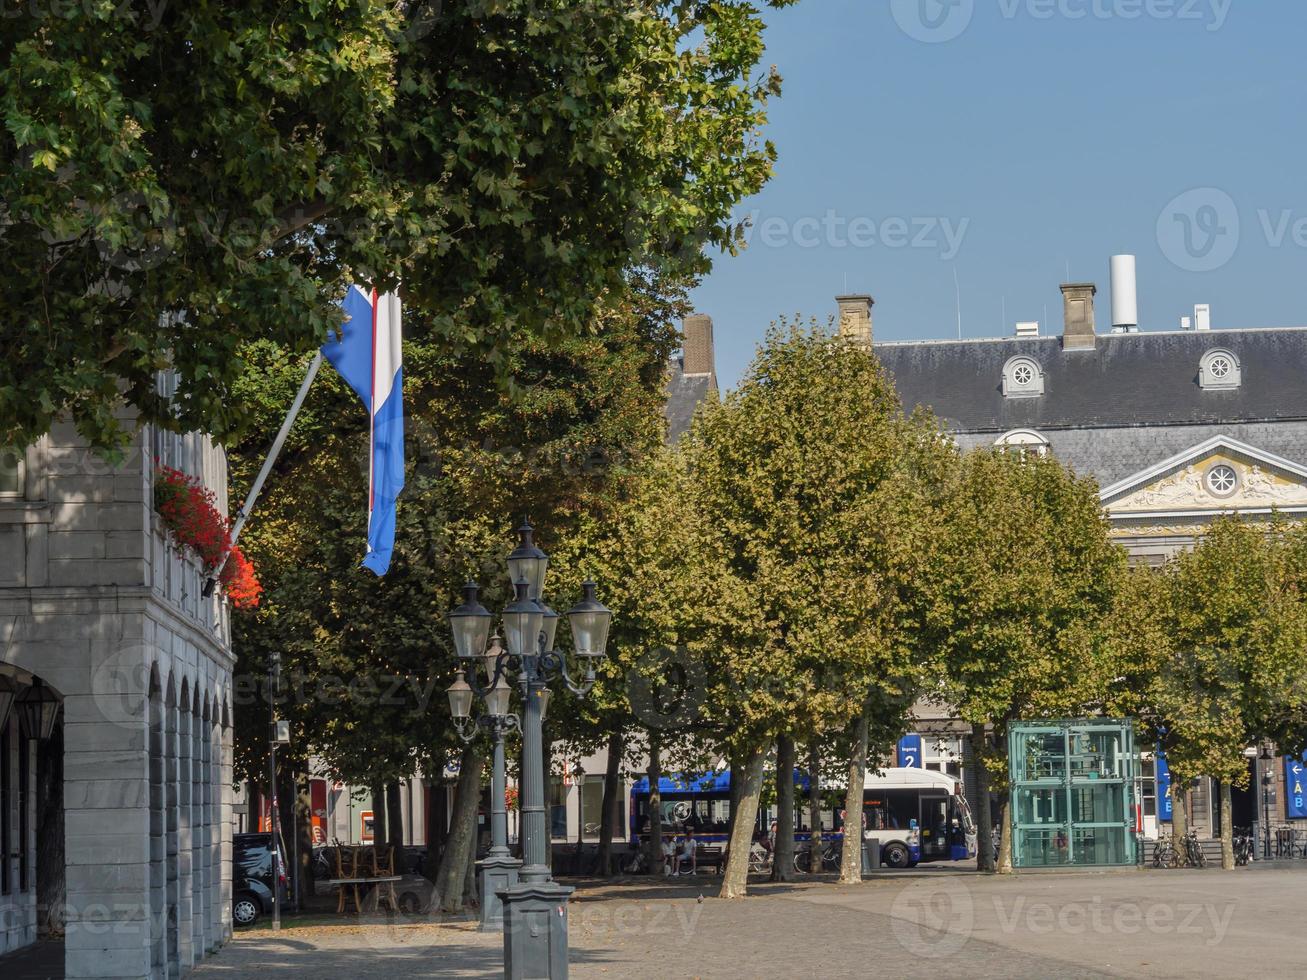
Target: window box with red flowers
(187,509)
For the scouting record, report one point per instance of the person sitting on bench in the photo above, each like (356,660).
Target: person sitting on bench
(686,853)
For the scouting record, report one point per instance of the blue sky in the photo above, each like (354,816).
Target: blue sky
(1045,135)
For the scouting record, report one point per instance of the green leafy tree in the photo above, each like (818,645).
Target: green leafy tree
(1022,584)
(372,656)
(1225,652)
(802,500)
(180,179)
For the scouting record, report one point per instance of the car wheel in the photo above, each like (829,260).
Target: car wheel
(245,910)
(895,856)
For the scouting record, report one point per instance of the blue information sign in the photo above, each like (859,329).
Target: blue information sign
(1164,802)
(910,752)
(1295,778)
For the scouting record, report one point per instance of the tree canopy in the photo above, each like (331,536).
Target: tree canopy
(178,180)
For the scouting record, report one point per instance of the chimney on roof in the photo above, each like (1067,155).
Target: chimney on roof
(1078,305)
(700,357)
(1202,317)
(855,318)
(1030,329)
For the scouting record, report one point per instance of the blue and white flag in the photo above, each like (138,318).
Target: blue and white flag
(367,356)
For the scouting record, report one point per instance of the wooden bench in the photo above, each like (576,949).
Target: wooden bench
(710,856)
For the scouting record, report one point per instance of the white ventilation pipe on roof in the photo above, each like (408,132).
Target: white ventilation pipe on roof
(1125,294)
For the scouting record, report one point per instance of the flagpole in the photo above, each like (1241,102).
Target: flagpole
(243,514)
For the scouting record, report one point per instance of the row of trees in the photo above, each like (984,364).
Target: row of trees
(803,567)
(819,562)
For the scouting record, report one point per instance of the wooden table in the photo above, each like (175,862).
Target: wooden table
(383,883)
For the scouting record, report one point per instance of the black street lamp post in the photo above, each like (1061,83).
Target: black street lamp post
(535,906)
(499,870)
(1268,793)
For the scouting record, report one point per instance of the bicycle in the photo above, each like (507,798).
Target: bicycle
(830,858)
(1244,847)
(760,859)
(1164,854)
(1193,851)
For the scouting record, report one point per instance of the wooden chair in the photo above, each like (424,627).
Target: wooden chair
(383,865)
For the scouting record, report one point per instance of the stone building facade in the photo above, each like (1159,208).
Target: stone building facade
(125,818)
(1176,427)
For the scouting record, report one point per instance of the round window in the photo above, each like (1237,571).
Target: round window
(1023,374)
(1220,367)
(1222,480)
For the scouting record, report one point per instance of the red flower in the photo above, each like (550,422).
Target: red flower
(189,512)
(238,579)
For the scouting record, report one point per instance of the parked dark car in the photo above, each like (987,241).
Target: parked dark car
(251,856)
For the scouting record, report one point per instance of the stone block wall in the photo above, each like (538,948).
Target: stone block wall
(100,604)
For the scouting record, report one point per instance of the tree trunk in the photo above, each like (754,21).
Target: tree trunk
(304,840)
(734,759)
(472,897)
(395,818)
(1227,829)
(380,828)
(654,843)
(287,800)
(611,809)
(1179,813)
(782,867)
(984,815)
(814,794)
(735,879)
(462,830)
(851,854)
(1004,861)
(435,826)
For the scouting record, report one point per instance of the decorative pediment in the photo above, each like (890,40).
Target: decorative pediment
(1218,475)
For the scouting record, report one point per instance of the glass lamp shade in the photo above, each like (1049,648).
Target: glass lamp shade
(460,698)
(589,620)
(470,624)
(527,563)
(545,695)
(38,709)
(549,626)
(497,698)
(8,693)
(522,620)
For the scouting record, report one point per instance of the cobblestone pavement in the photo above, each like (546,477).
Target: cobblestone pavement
(920,924)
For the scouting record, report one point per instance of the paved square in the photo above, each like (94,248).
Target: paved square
(919,924)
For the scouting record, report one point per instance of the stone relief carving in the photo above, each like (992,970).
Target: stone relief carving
(1188,489)
(1258,485)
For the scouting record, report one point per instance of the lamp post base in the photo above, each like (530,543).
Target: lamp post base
(535,930)
(496,874)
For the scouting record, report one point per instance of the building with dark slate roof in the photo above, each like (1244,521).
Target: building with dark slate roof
(1176,427)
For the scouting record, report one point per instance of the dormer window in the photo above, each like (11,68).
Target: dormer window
(1023,442)
(1219,369)
(1022,378)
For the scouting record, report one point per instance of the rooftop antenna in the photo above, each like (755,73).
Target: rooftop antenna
(846,284)
(1068,271)
(957,290)
(1003,326)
